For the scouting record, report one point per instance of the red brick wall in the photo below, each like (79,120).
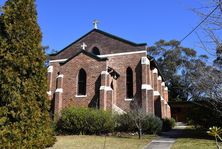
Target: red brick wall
(93,69)
(70,71)
(120,64)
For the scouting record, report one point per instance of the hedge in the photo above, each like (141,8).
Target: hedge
(75,121)
(150,124)
(85,121)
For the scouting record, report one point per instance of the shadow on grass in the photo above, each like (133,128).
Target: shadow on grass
(187,133)
(133,136)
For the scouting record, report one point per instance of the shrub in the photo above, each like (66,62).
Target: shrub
(71,121)
(99,122)
(216,133)
(168,124)
(124,123)
(152,124)
(204,117)
(85,121)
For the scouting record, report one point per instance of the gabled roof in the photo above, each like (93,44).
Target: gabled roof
(104,33)
(86,53)
(119,38)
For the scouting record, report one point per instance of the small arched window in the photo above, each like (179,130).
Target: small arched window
(95,51)
(129,83)
(81,89)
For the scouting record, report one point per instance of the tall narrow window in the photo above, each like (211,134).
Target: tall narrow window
(129,83)
(95,51)
(82,82)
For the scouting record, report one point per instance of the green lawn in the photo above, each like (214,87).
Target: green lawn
(194,139)
(191,143)
(189,139)
(97,142)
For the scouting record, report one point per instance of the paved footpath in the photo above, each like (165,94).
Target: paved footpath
(160,143)
(166,140)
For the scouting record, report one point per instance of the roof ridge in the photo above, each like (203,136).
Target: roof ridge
(119,38)
(104,33)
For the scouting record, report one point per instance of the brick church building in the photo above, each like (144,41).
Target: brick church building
(107,72)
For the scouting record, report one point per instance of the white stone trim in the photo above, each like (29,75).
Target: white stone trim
(145,61)
(128,99)
(155,70)
(166,88)
(146,87)
(50,69)
(117,109)
(119,54)
(60,76)
(105,55)
(104,72)
(163,84)
(81,95)
(106,88)
(162,98)
(159,78)
(156,93)
(49,93)
(58,60)
(59,90)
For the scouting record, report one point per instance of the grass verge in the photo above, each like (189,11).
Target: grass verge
(101,142)
(191,143)
(192,138)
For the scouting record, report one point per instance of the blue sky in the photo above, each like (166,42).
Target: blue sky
(63,21)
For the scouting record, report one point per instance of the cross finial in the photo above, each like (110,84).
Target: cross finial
(95,24)
(83,46)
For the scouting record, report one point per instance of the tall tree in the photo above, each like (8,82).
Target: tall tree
(187,75)
(173,59)
(24,117)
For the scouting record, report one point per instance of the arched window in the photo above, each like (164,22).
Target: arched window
(81,82)
(129,83)
(95,51)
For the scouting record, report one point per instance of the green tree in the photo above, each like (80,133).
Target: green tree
(173,60)
(188,76)
(24,117)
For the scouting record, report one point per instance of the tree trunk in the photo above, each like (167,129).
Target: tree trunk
(140,133)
